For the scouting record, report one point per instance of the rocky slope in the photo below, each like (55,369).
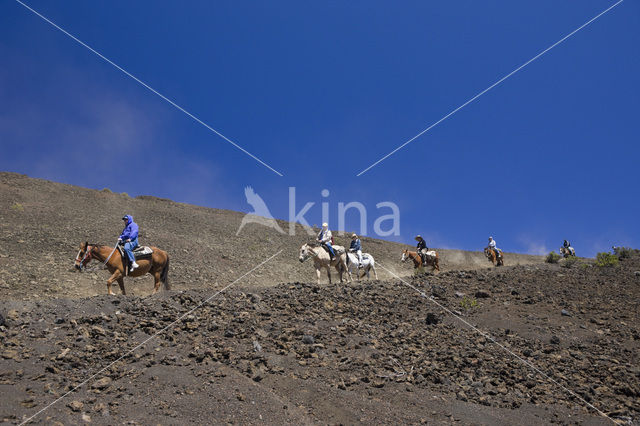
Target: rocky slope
(363,353)
(525,344)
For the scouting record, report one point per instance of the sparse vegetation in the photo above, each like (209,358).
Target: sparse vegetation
(124,194)
(553,257)
(17,207)
(570,262)
(606,259)
(468,303)
(107,190)
(625,252)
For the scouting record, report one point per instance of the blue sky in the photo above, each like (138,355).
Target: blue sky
(321,91)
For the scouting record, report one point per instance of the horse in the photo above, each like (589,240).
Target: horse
(567,251)
(157,265)
(492,255)
(368,264)
(321,259)
(432,259)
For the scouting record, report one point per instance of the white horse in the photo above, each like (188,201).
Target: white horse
(368,264)
(321,259)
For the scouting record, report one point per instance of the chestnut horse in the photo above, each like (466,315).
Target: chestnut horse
(432,259)
(157,265)
(497,260)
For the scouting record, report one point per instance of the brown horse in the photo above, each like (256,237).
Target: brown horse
(497,260)
(157,265)
(432,259)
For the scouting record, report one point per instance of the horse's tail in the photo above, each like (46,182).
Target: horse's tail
(164,275)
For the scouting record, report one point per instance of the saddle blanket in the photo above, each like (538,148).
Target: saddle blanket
(140,252)
(431,253)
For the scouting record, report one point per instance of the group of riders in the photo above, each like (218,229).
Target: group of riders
(129,240)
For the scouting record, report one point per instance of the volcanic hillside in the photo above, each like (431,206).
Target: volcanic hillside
(42,224)
(534,343)
(552,345)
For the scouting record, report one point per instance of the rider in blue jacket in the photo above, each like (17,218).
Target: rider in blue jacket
(130,237)
(356,247)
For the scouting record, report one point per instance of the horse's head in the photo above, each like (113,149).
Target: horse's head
(489,253)
(305,252)
(405,255)
(84,256)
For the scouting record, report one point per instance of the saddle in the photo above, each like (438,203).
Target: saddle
(140,252)
(427,255)
(365,257)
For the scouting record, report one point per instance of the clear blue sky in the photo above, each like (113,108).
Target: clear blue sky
(321,90)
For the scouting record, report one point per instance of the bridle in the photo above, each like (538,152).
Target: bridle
(88,255)
(308,253)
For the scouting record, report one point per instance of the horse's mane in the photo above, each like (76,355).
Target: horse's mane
(98,246)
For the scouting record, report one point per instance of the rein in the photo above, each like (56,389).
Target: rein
(414,256)
(87,255)
(310,253)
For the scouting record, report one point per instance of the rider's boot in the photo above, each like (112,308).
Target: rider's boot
(134,265)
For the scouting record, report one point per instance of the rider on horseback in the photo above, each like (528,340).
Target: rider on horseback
(356,248)
(422,248)
(492,246)
(567,246)
(325,238)
(130,238)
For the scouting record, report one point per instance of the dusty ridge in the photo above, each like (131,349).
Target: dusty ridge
(37,216)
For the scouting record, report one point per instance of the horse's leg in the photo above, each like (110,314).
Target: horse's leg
(329,272)
(349,276)
(375,273)
(111,279)
(156,283)
(318,274)
(121,284)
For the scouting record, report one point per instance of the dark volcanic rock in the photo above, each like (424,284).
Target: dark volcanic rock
(432,319)
(483,294)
